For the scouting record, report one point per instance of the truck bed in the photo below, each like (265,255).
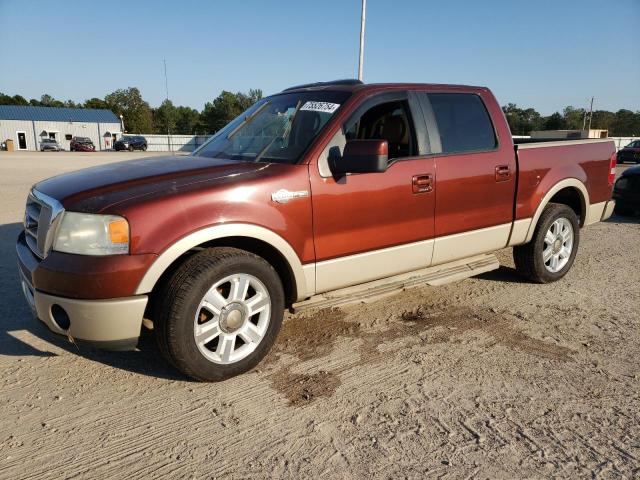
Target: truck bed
(587,160)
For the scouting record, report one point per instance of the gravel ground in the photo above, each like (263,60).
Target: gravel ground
(488,377)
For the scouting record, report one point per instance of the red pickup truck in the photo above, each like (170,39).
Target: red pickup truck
(320,194)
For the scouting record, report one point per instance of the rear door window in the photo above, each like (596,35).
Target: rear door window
(463,122)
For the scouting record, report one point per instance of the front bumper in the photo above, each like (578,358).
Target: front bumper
(113,324)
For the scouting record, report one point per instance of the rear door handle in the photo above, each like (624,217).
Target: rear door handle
(422,183)
(503,173)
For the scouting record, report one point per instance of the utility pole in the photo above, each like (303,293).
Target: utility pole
(590,113)
(166,90)
(362,23)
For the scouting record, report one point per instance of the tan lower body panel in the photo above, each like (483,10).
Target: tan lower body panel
(94,320)
(371,291)
(363,267)
(595,212)
(466,244)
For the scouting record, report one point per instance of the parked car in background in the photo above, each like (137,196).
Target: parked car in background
(131,143)
(630,153)
(626,192)
(81,144)
(49,145)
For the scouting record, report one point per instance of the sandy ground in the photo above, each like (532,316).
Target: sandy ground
(489,377)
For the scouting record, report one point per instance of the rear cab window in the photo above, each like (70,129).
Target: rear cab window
(463,122)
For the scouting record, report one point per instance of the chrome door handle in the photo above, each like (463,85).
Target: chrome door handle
(422,183)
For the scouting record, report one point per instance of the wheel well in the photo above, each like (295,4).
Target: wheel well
(571,197)
(255,246)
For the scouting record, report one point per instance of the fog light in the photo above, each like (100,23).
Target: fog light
(60,317)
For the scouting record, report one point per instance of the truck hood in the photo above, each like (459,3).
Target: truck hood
(94,189)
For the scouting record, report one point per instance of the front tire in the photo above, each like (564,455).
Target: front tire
(219,313)
(551,252)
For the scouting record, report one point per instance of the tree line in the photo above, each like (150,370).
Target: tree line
(623,123)
(140,117)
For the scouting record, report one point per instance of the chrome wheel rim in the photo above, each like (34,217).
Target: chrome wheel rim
(232,318)
(558,244)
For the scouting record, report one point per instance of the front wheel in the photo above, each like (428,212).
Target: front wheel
(551,252)
(219,313)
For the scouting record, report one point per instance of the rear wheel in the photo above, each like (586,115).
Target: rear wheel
(219,313)
(551,252)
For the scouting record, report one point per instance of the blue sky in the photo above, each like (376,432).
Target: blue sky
(546,53)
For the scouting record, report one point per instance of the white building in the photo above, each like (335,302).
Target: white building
(27,126)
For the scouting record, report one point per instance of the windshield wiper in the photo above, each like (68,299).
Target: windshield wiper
(246,120)
(284,133)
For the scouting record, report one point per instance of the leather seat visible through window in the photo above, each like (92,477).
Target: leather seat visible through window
(395,131)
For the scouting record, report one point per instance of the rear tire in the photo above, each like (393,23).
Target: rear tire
(219,313)
(552,249)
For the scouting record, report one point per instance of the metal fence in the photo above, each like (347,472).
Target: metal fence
(174,143)
(622,142)
(188,143)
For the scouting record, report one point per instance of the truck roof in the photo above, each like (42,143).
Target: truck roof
(352,85)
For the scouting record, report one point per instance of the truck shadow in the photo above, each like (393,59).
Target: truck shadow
(503,274)
(630,219)
(16,316)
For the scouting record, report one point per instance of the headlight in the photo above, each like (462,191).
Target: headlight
(89,234)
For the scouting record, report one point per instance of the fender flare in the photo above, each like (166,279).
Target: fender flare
(303,277)
(567,182)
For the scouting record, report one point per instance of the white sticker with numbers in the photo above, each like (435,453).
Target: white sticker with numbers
(325,107)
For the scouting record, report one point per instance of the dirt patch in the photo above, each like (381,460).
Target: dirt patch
(302,389)
(314,336)
(454,322)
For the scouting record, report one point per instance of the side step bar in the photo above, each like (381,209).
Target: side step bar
(370,291)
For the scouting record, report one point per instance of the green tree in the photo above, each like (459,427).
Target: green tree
(165,118)
(15,100)
(136,112)
(226,107)
(187,120)
(554,121)
(522,122)
(95,103)
(47,100)
(573,118)
(625,124)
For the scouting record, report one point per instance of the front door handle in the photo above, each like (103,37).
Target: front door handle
(422,183)
(503,173)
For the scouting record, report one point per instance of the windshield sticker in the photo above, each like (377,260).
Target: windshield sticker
(325,107)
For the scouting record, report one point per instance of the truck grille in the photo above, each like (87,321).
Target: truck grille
(41,214)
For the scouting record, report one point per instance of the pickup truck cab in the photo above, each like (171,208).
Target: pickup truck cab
(322,188)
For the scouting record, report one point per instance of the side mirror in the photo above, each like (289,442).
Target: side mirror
(362,156)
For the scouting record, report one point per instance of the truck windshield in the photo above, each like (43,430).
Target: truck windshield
(275,129)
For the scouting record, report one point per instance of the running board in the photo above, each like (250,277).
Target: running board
(370,291)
